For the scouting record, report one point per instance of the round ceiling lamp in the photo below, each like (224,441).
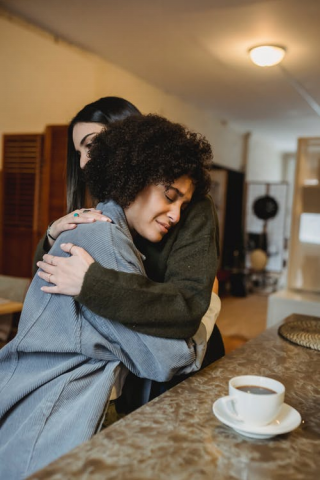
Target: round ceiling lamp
(267,55)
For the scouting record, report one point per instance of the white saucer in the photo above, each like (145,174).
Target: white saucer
(287,420)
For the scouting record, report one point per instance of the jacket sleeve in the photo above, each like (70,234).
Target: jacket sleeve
(42,249)
(172,309)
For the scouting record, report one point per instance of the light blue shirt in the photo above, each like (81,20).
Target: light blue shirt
(57,374)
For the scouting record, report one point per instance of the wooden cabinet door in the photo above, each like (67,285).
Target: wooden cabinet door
(52,188)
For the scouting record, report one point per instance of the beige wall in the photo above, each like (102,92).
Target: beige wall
(46,81)
(264,163)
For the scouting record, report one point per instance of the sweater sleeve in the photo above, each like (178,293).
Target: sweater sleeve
(172,309)
(42,249)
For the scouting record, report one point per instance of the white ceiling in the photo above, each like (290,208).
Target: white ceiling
(197,49)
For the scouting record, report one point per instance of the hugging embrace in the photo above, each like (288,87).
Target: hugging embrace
(57,374)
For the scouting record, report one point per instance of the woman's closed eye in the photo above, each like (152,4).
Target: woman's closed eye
(85,148)
(170,195)
(174,194)
(171,200)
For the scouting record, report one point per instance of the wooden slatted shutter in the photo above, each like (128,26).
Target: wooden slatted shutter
(20,202)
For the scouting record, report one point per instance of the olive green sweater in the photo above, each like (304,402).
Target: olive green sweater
(181,270)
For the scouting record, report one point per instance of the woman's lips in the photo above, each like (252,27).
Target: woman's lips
(164,227)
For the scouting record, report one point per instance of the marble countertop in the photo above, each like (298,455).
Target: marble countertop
(177,437)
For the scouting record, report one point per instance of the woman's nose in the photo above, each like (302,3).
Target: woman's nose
(174,214)
(83,159)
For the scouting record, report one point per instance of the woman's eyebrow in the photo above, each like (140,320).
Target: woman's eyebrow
(86,136)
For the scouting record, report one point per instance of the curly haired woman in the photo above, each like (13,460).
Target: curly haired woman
(180,269)
(65,359)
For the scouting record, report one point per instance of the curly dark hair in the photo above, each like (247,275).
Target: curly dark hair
(144,150)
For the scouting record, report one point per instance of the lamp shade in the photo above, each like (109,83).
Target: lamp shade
(267,55)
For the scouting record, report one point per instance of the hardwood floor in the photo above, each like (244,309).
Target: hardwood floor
(242,318)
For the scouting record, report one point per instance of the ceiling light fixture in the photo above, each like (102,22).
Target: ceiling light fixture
(267,55)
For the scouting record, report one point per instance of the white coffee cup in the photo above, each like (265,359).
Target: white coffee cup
(257,402)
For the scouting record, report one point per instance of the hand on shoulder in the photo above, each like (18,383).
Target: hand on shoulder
(65,274)
(71,220)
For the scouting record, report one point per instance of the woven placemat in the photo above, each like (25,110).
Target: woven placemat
(304,332)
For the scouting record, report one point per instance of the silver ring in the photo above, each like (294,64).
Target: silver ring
(86,210)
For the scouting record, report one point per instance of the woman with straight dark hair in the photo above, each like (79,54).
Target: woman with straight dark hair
(176,294)
(103,112)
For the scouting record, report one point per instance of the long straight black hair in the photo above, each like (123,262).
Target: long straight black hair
(106,110)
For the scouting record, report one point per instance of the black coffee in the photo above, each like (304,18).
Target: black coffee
(256,390)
